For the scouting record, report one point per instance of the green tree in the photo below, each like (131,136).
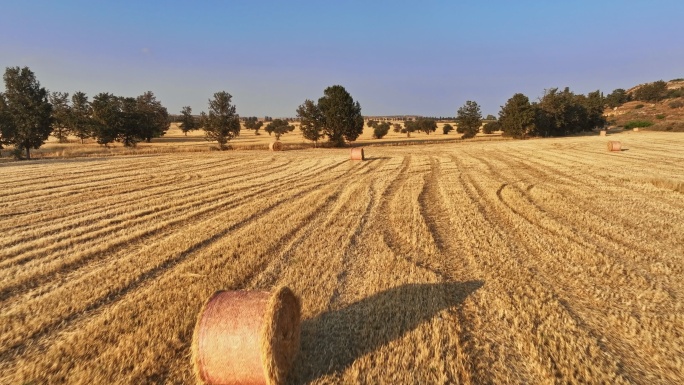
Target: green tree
(187,121)
(6,125)
(222,123)
(80,119)
(380,130)
(107,118)
(311,121)
(490,117)
(61,112)
(447,128)
(152,118)
(491,127)
(517,117)
(27,110)
(409,127)
(595,104)
(341,115)
(278,127)
(371,123)
(427,125)
(617,98)
(651,92)
(469,119)
(396,127)
(253,123)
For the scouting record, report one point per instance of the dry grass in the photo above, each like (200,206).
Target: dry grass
(175,141)
(539,261)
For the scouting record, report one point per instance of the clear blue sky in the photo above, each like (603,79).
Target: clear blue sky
(394,57)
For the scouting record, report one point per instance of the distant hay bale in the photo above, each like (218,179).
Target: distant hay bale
(357,153)
(602,133)
(614,146)
(636,129)
(247,337)
(275,146)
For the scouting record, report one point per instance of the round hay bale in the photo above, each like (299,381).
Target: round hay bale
(614,146)
(602,133)
(247,337)
(357,153)
(275,146)
(636,129)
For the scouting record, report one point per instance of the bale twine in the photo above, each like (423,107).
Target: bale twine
(357,154)
(602,133)
(614,146)
(247,337)
(275,146)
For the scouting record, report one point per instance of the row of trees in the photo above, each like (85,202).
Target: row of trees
(29,114)
(557,113)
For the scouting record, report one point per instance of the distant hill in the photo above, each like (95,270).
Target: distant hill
(664,115)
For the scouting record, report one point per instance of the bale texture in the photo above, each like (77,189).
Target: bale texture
(275,146)
(357,154)
(247,337)
(614,146)
(602,133)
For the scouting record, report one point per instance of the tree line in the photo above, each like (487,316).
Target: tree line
(29,114)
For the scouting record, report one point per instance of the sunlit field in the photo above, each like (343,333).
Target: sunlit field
(175,141)
(537,261)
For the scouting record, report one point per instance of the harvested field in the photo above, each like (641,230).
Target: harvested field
(539,261)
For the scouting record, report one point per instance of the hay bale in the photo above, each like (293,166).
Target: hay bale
(275,146)
(602,132)
(614,146)
(636,129)
(247,337)
(357,154)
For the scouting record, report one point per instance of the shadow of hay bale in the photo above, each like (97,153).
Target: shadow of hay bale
(332,341)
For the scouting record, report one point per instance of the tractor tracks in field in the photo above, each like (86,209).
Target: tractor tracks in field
(123,242)
(138,282)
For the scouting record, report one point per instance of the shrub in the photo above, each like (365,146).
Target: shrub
(676,104)
(491,127)
(660,116)
(638,123)
(447,128)
(638,106)
(380,130)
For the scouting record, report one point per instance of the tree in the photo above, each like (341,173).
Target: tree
(652,92)
(152,118)
(595,104)
(617,98)
(222,123)
(380,130)
(563,113)
(106,117)
(447,128)
(427,125)
(396,127)
(311,121)
(469,119)
(409,127)
(253,123)
(278,127)
(490,117)
(27,110)
(187,121)
(371,123)
(6,125)
(490,127)
(517,117)
(80,119)
(341,115)
(61,113)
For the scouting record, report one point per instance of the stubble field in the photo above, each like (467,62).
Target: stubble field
(540,261)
